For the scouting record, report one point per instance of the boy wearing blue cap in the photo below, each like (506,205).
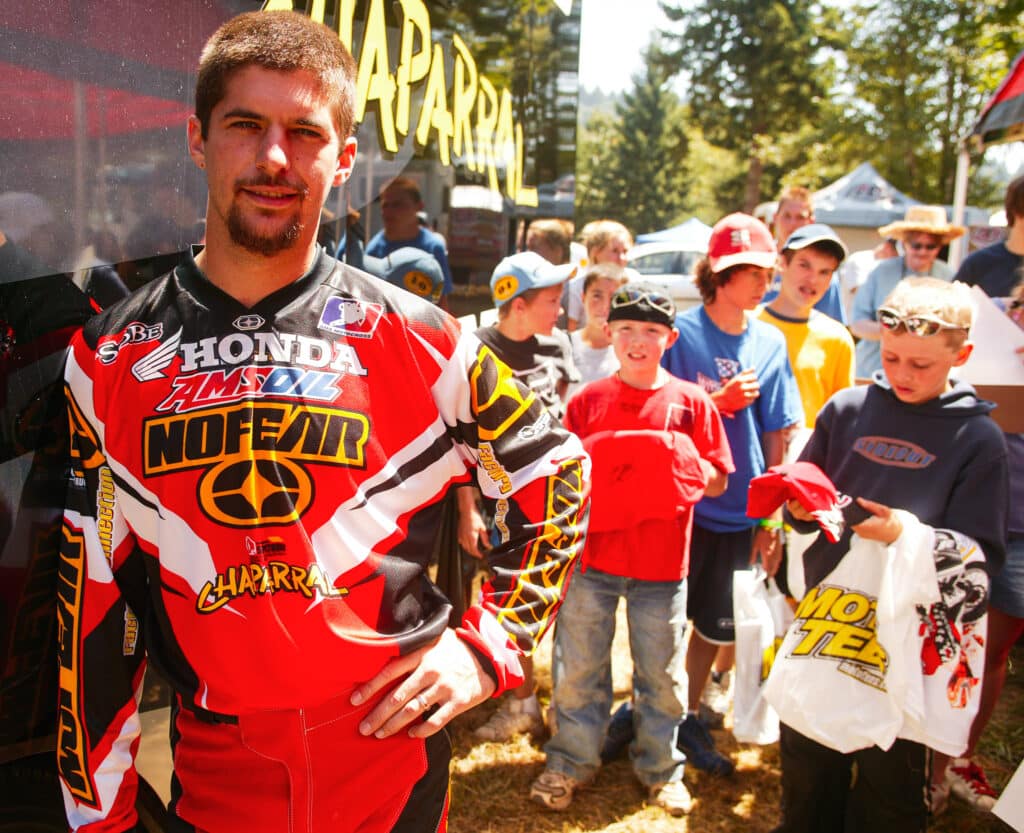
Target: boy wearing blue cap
(820,348)
(527,291)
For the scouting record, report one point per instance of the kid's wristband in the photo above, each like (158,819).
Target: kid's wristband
(770,523)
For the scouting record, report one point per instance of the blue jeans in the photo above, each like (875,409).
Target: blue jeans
(581,670)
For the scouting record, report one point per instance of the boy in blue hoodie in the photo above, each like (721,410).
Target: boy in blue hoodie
(913,440)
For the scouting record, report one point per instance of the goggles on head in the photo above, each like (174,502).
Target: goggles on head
(919,324)
(627,295)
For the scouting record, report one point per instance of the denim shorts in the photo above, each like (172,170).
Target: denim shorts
(1007,589)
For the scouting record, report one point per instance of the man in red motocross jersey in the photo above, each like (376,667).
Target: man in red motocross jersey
(261,443)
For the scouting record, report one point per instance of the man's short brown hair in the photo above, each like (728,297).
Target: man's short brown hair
(283,41)
(407,186)
(603,271)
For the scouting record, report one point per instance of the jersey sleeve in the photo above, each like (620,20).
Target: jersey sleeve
(537,476)
(568,372)
(100,645)
(979,504)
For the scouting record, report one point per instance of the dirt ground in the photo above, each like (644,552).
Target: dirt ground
(491,781)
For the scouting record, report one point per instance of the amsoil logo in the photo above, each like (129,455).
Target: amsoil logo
(840,624)
(253,456)
(891,452)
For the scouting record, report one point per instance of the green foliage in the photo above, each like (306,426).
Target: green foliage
(632,166)
(756,71)
(782,92)
(919,73)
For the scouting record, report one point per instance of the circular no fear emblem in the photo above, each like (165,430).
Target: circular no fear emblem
(262,491)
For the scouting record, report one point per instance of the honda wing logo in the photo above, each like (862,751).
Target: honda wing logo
(151,367)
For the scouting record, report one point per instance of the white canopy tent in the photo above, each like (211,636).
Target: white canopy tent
(861,198)
(858,204)
(693,234)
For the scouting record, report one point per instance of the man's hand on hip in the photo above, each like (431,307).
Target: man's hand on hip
(445,677)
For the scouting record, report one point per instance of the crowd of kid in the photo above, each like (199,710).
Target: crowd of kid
(680,410)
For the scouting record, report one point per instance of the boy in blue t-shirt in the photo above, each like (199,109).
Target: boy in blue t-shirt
(742,363)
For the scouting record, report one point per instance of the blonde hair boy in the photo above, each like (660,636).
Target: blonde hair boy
(950,304)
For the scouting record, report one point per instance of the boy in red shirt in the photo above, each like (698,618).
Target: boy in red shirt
(657,445)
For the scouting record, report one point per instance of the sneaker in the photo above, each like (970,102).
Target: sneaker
(672,797)
(717,694)
(620,734)
(553,789)
(938,798)
(696,743)
(968,783)
(513,716)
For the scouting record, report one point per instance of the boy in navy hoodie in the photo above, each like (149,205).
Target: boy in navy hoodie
(913,440)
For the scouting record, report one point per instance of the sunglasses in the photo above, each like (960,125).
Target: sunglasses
(928,247)
(918,325)
(626,296)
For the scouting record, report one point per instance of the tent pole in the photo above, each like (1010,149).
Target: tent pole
(957,249)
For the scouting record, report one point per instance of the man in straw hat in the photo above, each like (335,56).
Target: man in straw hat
(922,232)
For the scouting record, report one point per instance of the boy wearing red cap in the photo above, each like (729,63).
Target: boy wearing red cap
(741,362)
(658,444)
(916,441)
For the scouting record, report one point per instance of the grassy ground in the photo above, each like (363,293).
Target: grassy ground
(491,781)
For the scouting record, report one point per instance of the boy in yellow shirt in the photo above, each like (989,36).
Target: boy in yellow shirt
(820,349)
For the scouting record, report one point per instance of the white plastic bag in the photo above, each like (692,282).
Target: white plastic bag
(762,617)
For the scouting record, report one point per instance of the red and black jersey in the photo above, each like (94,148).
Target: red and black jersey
(255,493)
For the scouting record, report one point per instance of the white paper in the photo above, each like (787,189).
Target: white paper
(996,339)
(1010,806)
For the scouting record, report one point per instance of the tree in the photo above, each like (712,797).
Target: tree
(755,70)
(919,72)
(632,167)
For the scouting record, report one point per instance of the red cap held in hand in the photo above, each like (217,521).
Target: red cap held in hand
(804,483)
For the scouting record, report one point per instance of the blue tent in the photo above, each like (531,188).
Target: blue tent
(693,234)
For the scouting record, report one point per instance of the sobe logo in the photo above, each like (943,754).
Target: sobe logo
(254,456)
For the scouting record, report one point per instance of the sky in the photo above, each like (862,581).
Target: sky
(612,37)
